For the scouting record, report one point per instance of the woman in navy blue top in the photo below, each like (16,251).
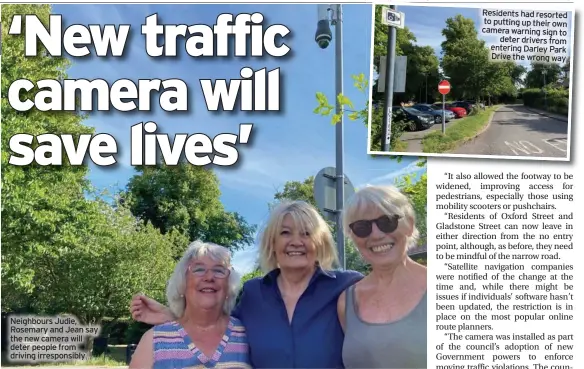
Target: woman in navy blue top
(290,314)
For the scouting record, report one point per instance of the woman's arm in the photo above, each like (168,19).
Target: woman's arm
(143,357)
(146,310)
(341,309)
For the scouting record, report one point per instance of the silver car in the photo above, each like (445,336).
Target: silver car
(436,113)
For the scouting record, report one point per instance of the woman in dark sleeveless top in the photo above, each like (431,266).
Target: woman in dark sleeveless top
(384,315)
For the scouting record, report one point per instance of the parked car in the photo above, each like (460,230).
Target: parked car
(463,104)
(479,104)
(458,112)
(417,120)
(436,113)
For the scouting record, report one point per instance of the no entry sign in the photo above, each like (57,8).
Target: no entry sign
(444,87)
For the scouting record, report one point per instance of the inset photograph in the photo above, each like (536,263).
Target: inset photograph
(476,82)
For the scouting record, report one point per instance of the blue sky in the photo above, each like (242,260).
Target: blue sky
(290,145)
(427,23)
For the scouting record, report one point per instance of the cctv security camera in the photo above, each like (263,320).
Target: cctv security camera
(323,36)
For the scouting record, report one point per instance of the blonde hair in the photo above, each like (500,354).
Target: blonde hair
(307,218)
(176,288)
(388,199)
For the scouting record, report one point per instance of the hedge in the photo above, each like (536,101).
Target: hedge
(558,100)
(123,331)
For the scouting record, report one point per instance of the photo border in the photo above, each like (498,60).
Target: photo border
(539,5)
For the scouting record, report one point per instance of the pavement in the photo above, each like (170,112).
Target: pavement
(414,139)
(517,131)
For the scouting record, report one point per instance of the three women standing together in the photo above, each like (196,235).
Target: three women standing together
(302,313)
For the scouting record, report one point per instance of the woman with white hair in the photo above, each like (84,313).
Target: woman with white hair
(384,314)
(201,333)
(290,314)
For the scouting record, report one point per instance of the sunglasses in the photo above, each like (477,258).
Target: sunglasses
(218,272)
(386,224)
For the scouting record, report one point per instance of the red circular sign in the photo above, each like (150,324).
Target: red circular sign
(444,87)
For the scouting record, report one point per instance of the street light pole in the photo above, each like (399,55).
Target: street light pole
(389,72)
(339,131)
(544,72)
(426,98)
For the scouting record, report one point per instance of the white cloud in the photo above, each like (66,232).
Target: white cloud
(390,178)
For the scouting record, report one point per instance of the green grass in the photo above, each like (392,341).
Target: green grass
(399,146)
(116,356)
(457,133)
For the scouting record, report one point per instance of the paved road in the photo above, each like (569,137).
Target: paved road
(518,131)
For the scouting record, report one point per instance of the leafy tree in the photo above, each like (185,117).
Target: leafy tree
(465,57)
(185,199)
(422,73)
(112,257)
(517,73)
(38,202)
(466,62)
(116,256)
(535,77)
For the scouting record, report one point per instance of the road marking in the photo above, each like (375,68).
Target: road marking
(557,143)
(524,146)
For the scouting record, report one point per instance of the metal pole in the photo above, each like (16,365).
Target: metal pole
(443,113)
(339,133)
(544,90)
(389,71)
(426,98)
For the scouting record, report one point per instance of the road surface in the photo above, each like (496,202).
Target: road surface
(520,132)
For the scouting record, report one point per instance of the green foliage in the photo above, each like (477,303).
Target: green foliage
(475,110)
(558,100)
(422,64)
(184,200)
(470,71)
(535,77)
(457,132)
(38,203)
(251,275)
(324,108)
(416,189)
(398,125)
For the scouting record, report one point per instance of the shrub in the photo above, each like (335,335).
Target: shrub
(397,128)
(123,331)
(475,110)
(135,332)
(558,100)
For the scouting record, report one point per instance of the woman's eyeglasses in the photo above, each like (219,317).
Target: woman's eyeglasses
(386,224)
(218,272)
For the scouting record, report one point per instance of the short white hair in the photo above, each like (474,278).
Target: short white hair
(389,199)
(176,288)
